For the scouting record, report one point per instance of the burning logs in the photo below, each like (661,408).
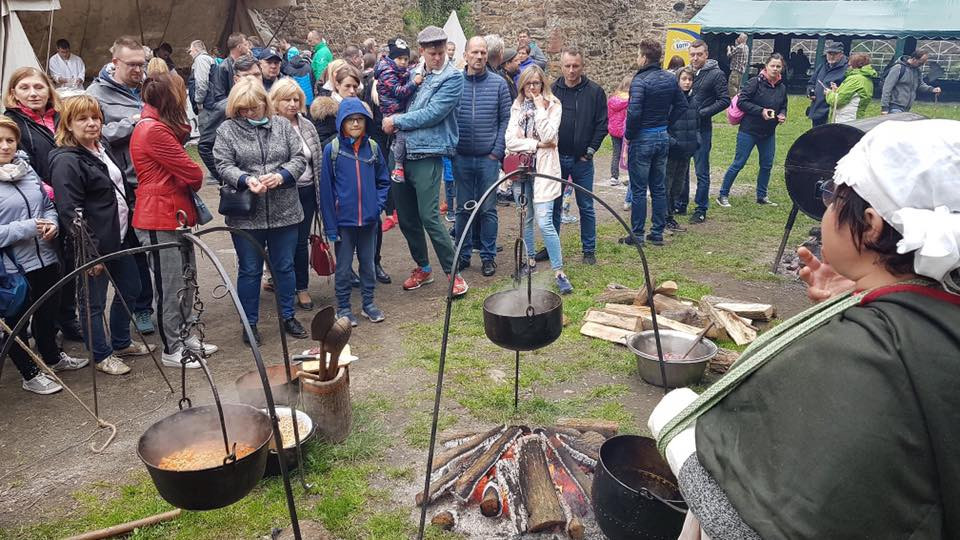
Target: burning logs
(536,480)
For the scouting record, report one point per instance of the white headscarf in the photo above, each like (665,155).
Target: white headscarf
(909,172)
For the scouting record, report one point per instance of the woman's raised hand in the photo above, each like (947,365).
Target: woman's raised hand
(823,282)
(539,101)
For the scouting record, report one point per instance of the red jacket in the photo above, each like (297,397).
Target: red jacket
(166,174)
(616,114)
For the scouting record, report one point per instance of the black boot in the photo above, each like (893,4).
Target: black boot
(382,275)
(256,335)
(293,328)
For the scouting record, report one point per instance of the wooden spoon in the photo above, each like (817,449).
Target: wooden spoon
(336,339)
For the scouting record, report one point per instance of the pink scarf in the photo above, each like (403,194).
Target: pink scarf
(769,78)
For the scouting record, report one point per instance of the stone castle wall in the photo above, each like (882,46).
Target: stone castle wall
(606,31)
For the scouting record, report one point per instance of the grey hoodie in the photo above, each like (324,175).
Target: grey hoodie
(901,85)
(22,201)
(118,104)
(243,150)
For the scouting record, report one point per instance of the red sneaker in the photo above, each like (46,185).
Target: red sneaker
(417,278)
(459,286)
(443,207)
(388,224)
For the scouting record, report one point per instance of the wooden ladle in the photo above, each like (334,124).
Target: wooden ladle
(335,341)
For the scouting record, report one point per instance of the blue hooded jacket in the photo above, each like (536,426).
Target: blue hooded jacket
(353,191)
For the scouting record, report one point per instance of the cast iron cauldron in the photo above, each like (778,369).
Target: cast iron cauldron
(289,453)
(634,493)
(523,320)
(214,487)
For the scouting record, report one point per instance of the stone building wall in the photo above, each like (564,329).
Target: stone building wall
(606,31)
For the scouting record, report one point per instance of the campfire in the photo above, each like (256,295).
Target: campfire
(537,480)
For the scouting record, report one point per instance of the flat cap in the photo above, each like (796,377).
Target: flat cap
(833,47)
(431,34)
(509,54)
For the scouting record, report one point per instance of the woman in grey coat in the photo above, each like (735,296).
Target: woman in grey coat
(290,102)
(28,233)
(260,152)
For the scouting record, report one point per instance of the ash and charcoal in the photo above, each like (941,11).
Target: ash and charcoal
(790,264)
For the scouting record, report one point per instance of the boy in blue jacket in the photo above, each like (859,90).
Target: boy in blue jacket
(353,187)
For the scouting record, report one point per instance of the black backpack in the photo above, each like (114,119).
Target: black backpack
(886,71)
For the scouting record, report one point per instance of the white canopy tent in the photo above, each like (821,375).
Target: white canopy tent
(455,34)
(15,48)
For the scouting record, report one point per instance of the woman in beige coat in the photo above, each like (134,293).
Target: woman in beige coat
(532,130)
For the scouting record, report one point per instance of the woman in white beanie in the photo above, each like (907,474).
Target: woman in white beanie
(844,421)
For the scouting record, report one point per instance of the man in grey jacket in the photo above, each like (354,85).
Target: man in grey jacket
(903,82)
(119,98)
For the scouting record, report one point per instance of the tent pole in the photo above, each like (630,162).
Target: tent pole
(818,61)
(746,75)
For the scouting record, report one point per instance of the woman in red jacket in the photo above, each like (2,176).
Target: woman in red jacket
(168,178)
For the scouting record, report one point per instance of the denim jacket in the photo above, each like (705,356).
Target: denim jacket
(431,119)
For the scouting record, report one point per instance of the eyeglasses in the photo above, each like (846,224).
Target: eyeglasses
(357,120)
(132,65)
(827,190)
(534,83)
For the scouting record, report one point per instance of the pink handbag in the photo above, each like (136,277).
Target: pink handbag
(734,113)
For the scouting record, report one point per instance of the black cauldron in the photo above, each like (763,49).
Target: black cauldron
(634,493)
(214,487)
(523,320)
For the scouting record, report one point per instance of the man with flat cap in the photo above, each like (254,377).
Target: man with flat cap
(834,70)
(430,126)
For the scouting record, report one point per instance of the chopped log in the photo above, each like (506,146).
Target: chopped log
(572,467)
(490,505)
(670,324)
(606,428)
(579,450)
(468,480)
(593,439)
(668,288)
(763,312)
(723,360)
(606,333)
(665,303)
(627,310)
(440,485)
(685,315)
(444,520)
(740,333)
(449,455)
(575,529)
(618,294)
(539,493)
(608,319)
(456,437)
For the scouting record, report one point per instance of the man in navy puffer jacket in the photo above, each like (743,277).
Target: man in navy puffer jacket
(655,102)
(482,118)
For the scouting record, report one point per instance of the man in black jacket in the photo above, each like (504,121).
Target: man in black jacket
(583,125)
(655,102)
(709,94)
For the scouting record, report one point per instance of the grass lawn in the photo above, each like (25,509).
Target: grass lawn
(735,244)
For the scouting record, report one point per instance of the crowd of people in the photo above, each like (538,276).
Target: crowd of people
(303,143)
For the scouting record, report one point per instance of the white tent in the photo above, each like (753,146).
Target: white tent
(15,49)
(455,34)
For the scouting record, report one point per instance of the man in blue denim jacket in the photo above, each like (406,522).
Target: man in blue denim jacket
(431,130)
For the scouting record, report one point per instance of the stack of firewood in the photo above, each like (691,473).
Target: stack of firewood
(537,479)
(626,311)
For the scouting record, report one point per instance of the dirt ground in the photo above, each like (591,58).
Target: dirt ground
(44,440)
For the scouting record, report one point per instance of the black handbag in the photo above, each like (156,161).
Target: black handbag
(236,203)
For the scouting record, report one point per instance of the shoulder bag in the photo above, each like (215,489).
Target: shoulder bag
(321,256)
(13,287)
(236,203)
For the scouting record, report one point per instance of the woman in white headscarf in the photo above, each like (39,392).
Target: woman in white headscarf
(842,422)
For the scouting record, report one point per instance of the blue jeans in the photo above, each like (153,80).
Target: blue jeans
(766,147)
(301,257)
(582,173)
(701,164)
(125,274)
(473,175)
(647,163)
(543,214)
(363,242)
(280,243)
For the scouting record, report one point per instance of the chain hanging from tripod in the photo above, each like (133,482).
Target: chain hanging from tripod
(189,301)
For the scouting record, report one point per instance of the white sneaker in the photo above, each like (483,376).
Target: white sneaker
(41,384)
(614,181)
(627,206)
(68,363)
(134,349)
(193,343)
(173,360)
(112,365)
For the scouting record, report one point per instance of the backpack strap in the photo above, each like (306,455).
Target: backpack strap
(335,151)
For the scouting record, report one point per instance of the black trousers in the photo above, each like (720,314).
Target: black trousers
(44,323)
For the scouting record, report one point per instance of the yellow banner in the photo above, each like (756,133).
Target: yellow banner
(679,38)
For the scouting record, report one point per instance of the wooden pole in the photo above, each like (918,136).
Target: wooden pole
(127,527)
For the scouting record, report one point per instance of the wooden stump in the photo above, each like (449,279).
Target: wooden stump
(328,404)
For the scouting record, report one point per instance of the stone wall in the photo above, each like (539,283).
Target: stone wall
(606,31)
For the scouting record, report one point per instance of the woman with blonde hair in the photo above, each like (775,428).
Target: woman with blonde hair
(260,152)
(533,132)
(33,103)
(289,101)
(86,176)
